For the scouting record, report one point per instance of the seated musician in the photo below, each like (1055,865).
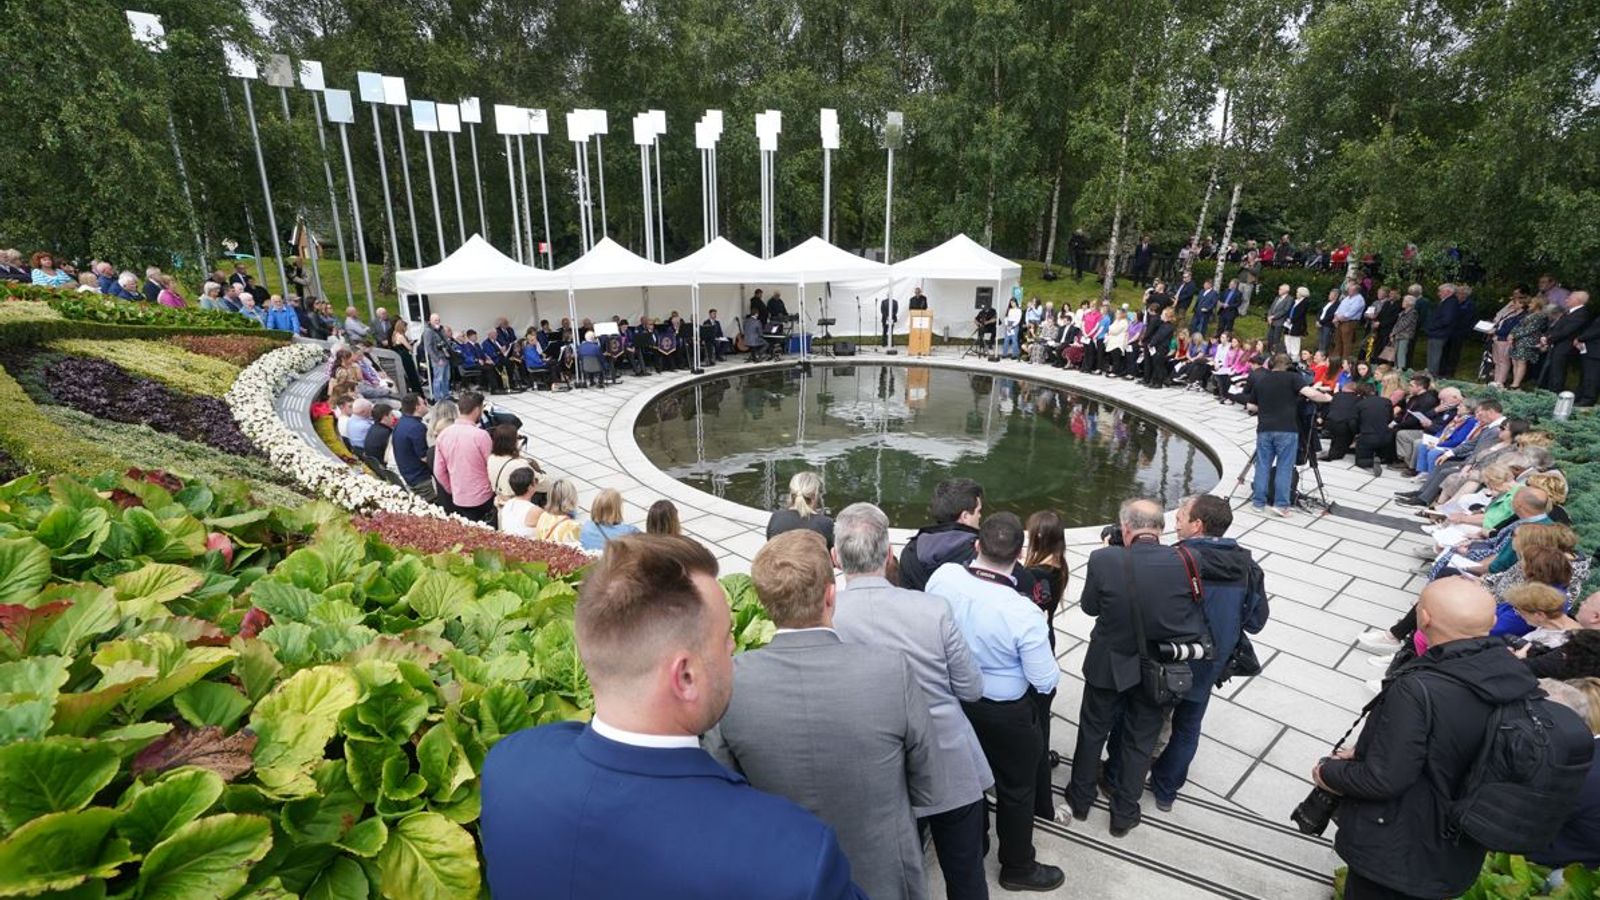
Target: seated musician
(534,366)
(684,333)
(665,348)
(623,351)
(504,337)
(714,342)
(472,361)
(777,314)
(985,322)
(590,348)
(751,333)
(644,343)
(498,360)
(548,337)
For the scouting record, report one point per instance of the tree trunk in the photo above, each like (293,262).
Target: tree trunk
(988,204)
(1227,232)
(386,280)
(1055,213)
(1211,186)
(1122,175)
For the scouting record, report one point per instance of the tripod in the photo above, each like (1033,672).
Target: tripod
(1310,445)
(976,347)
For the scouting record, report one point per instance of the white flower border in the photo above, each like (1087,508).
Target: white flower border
(251,402)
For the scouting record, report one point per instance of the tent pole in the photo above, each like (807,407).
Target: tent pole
(694,325)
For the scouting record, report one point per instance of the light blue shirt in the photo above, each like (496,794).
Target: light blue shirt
(594,537)
(1008,635)
(357,431)
(1351,307)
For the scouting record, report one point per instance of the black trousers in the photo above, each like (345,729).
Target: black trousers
(1555,367)
(1341,434)
(1369,446)
(958,841)
(1589,385)
(1013,743)
(1141,724)
(1358,888)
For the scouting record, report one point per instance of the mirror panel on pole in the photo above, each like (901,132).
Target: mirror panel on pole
(450,124)
(394,90)
(243,68)
(599,126)
(578,134)
(509,121)
(342,112)
(714,122)
(280,74)
(539,125)
(658,125)
(527,209)
(425,118)
(472,115)
(830,142)
(374,94)
(311,80)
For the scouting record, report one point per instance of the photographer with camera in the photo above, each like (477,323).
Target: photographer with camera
(1145,599)
(1420,799)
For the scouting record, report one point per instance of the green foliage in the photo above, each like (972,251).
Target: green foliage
(1506,876)
(157,741)
(751,627)
(165,362)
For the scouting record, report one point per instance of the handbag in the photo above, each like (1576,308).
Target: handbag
(1162,683)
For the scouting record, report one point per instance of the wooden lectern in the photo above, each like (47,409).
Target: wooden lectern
(921,339)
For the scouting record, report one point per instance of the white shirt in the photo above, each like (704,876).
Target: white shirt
(514,518)
(800,630)
(635,739)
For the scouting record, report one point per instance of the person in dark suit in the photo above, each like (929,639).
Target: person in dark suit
(713,342)
(841,729)
(1440,328)
(1143,256)
(889,316)
(1185,294)
(1559,338)
(629,805)
(1078,246)
(1295,330)
(1229,307)
(1205,305)
(918,300)
(1156,578)
(1588,344)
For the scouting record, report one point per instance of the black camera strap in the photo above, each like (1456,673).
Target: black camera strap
(1371,705)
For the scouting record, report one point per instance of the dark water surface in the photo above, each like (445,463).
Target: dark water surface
(887,434)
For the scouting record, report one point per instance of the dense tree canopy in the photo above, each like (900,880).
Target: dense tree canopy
(1438,122)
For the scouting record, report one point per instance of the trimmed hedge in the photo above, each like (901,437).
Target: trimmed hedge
(36,315)
(36,442)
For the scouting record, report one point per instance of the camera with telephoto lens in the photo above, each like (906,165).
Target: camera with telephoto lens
(1171,651)
(1315,812)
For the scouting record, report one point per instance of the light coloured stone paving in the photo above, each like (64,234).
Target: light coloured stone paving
(1329,579)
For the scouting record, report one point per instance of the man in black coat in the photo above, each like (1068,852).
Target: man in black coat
(1559,339)
(1141,571)
(1078,246)
(1588,346)
(957,508)
(1426,731)
(1143,256)
(1185,295)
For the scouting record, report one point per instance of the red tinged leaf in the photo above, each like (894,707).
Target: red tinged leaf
(429,535)
(219,542)
(24,624)
(125,499)
(208,748)
(254,621)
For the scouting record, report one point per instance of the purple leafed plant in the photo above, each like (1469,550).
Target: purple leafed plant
(106,391)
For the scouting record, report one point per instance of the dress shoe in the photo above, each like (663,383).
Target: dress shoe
(1411,501)
(1042,877)
(1164,805)
(1405,494)
(1123,829)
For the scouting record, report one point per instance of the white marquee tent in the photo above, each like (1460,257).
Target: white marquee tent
(950,275)
(476,284)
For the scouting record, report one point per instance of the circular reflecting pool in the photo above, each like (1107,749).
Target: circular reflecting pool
(887,434)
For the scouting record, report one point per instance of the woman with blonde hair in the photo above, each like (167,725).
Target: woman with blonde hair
(1544,610)
(605,521)
(804,509)
(558,521)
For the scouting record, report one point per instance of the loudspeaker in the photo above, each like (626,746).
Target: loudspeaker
(844,348)
(983,298)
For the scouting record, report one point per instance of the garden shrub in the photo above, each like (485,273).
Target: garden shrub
(428,535)
(106,391)
(35,442)
(238,350)
(206,698)
(165,362)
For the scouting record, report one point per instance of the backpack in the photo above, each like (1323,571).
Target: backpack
(1525,780)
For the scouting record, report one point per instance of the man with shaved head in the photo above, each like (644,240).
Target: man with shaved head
(1425,731)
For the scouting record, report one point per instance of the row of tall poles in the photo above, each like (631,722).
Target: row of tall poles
(429,118)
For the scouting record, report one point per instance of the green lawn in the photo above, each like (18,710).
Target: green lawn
(332,282)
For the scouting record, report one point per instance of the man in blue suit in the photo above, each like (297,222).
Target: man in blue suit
(1230,306)
(1204,307)
(629,805)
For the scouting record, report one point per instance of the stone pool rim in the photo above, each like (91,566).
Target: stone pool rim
(1224,453)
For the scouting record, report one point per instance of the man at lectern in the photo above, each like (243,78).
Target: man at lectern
(918,300)
(889,314)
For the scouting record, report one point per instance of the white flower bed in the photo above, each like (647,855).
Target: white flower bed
(351,487)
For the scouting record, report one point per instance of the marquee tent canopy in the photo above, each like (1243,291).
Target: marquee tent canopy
(816,260)
(722,262)
(610,265)
(960,258)
(476,268)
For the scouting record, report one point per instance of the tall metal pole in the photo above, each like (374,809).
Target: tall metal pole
(600,159)
(544,201)
(583,218)
(827,190)
(661,209)
(644,188)
(511,183)
(355,214)
(333,197)
(300,216)
(388,200)
(477,178)
(455,179)
(888,206)
(527,215)
(705,202)
(183,182)
(433,191)
(249,217)
(716,196)
(405,172)
(266,189)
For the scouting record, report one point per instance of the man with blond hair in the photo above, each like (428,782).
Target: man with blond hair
(629,805)
(842,729)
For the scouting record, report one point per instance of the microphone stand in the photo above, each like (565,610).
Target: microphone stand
(890,320)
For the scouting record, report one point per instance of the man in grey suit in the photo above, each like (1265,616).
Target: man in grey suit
(872,611)
(841,729)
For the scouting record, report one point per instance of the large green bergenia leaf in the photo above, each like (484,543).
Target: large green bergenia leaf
(61,850)
(146,590)
(438,595)
(208,857)
(428,857)
(28,691)
(365,838)
(93,612)
(211,703)
(502,710)
(342,547)
(177,666)
(78,713)
(24,627)
(164,540)
(74,533)
(365,762)
(443,762)
(256,668)
(324,817)
(58,774)
(285,601)
(155,812)
(70,492)
(341,880)
(24,569)
(305,568)
(295,722)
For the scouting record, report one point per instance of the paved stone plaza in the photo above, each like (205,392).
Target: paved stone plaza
(1330,577)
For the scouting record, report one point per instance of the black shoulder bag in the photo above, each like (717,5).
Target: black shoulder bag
(1162,683)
